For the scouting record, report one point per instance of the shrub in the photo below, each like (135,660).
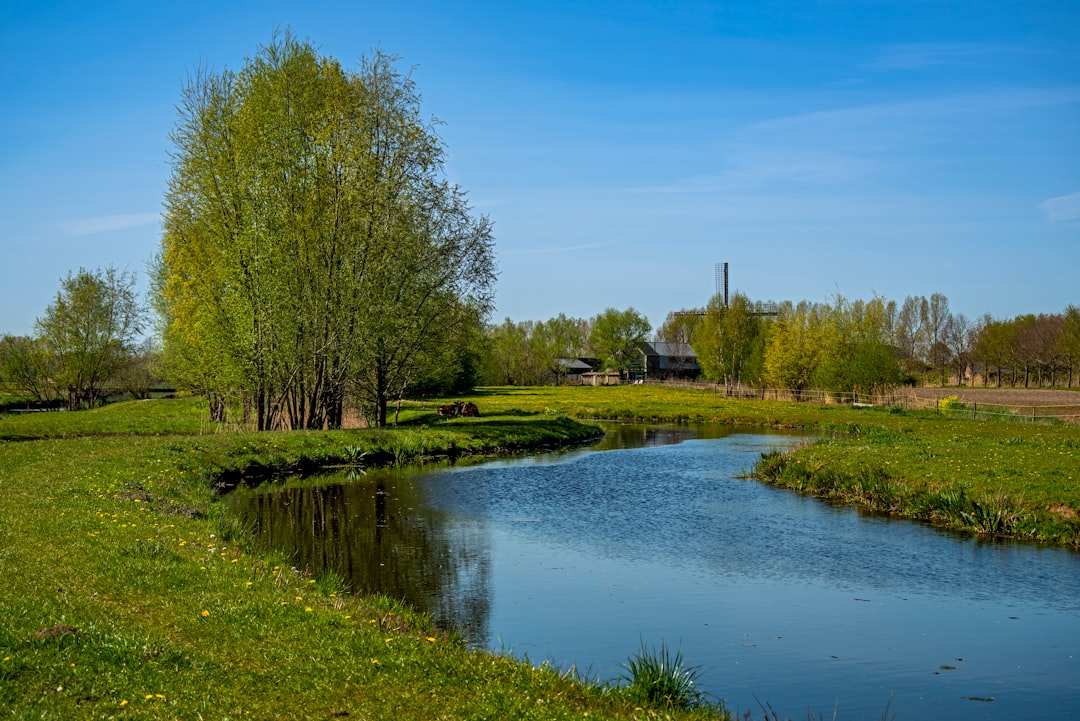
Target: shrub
(949,403)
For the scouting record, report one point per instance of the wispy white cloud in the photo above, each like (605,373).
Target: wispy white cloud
(1062,208)
(108,223)
(883,119)
(846,146)
(922,56)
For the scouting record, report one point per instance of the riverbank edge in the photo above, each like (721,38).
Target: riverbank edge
(872,489)
(875,489)
(130,593)
(401,446)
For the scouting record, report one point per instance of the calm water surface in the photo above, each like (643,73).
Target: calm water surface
(579,557)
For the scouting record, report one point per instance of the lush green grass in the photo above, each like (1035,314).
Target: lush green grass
(127,593)
(656,403)
(189,416)
(998,479)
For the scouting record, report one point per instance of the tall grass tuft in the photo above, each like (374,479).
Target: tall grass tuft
(656,676)
(992,515)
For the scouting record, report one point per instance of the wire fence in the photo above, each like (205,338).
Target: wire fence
(905,398)
(982,410)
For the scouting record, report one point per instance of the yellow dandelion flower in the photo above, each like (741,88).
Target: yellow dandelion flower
(432,639)
(123,703)
(308,609)
(205,613)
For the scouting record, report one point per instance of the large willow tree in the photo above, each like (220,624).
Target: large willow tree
(312,251)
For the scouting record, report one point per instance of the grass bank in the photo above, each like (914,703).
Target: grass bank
(128,594)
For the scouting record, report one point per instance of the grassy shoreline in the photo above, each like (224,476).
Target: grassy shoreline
(128,592)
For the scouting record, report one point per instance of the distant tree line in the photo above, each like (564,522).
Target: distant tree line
(855,345)
(88,343)
(842,345)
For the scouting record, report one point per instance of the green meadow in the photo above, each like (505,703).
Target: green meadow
(128,593)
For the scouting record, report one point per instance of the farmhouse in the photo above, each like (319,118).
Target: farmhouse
(665,361)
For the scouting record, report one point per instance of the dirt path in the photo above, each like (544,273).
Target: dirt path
(1003,396)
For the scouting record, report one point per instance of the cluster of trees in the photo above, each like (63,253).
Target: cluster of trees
(863,346)
(87,343)
(1046,346)
(313,256)
(843,345)
(534,353)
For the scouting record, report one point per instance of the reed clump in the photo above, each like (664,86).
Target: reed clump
(657,676)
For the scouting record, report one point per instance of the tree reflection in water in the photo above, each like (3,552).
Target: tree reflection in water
(379,534)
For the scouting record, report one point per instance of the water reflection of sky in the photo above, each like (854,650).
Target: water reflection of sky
(681,506)
(578,556)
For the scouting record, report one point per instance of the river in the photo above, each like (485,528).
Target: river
(581,557)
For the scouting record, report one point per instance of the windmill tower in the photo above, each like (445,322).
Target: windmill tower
(722,281)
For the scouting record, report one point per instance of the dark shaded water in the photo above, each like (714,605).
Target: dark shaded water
(579,556)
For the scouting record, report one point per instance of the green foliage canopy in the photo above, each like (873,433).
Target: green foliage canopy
(617,335)
(312,252)
(88,331)
(730,341)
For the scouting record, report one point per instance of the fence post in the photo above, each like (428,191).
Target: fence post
(974,410)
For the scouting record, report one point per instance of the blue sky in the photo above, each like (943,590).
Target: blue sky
(620,148)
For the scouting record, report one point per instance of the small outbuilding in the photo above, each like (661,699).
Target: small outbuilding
(572,369)
(665,361)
